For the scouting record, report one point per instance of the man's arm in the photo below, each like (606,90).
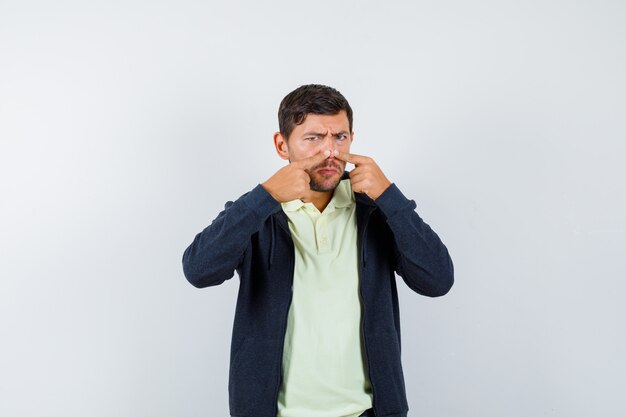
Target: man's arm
(422,260)
(216,252)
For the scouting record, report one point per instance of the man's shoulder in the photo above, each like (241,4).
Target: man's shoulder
(258,200)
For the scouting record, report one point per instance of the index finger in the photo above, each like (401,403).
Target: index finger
(353,158)
(312,160)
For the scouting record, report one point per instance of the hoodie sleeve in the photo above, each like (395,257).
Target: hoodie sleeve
(216,252)
(422,260)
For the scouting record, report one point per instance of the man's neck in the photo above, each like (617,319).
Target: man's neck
(320,199)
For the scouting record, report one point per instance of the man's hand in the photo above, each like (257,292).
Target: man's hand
(292,181)
(366,177)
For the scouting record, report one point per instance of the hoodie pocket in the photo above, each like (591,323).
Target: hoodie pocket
(386,373)
(254,375)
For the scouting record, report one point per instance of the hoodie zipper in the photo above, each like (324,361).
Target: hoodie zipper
(285,318)
(361,274)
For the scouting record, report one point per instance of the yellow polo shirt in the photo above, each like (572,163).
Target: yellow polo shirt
(324,369)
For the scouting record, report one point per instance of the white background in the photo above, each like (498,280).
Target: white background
(125,126)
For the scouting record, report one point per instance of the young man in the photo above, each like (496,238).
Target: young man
(316,248)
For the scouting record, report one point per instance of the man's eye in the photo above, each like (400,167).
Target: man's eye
(342,137)
(311,138)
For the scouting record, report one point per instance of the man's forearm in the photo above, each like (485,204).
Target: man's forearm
(216,252)
(422,259)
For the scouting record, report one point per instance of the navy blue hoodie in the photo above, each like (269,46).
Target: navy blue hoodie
(251,236)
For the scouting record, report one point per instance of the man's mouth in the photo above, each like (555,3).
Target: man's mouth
(328,170)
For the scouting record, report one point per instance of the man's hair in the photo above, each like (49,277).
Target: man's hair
(307,99)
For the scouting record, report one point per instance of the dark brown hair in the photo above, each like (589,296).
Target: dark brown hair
(307,99)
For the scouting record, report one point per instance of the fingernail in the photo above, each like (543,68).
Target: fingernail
(327,153)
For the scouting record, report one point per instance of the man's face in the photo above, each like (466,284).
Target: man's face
(319,132)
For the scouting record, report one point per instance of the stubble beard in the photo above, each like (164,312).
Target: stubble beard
(322,183)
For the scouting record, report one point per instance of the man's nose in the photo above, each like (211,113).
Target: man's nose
(329,143)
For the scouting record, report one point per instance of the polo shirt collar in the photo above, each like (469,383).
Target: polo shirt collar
(342,197)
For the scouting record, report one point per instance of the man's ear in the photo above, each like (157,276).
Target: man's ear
(282,148)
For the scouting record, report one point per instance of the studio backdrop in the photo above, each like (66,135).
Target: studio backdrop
(126,125)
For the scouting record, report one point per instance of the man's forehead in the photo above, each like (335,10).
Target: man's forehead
(322,122)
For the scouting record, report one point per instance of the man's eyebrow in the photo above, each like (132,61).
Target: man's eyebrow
(343,132)
(313,134)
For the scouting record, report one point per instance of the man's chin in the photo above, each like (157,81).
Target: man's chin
(325,184)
